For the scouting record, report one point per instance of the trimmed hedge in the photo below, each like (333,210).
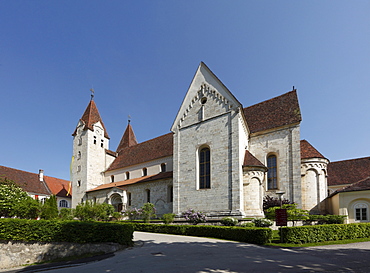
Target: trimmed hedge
(247,235)
(65,231)
(321,233)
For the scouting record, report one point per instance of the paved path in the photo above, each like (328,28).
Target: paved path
(171,253)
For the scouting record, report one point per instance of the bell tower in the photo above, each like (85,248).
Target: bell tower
(90,142)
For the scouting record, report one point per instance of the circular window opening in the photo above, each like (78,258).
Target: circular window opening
(203,100)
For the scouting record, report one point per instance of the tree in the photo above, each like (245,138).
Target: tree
(89,211)
(294,214)
(49,209)
(11,197)
(148,212)
(269,202)
(27,208)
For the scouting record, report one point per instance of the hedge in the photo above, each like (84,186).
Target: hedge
(321,233)
(65,231)
(247,235)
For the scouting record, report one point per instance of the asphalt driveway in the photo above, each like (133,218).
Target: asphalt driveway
(172,253)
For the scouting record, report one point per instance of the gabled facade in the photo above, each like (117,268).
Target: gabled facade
(219,158)
(39,186)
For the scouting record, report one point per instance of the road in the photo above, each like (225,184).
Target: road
(171,253)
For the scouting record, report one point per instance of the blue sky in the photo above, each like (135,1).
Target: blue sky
(140,57)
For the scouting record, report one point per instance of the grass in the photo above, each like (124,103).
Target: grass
(276,242)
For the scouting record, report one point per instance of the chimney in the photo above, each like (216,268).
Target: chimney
(41,175)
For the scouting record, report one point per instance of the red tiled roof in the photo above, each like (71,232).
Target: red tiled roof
(143,152)
(362,185)
(308,151)
(90,117)
(251,160)
(128,139)
(148,178)
(58,187)
(29,182)
(279,111)
(348,171)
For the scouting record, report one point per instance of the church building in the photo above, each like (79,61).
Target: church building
(219,157)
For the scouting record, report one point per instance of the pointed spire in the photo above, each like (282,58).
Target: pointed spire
(128,138)
(92,116)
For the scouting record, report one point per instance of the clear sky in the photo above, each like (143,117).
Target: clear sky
(140,57)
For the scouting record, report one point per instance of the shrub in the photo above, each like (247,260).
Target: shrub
(247,225)
(262,222)
(321,233)
(269,202)
(294,214)
(229,221)
(327,219)
(65,231)
(148,210)
(194,217)
(27,208)
(66,214)
(132,213)
(248,235)
(49,210)
(89,211)
(168,218)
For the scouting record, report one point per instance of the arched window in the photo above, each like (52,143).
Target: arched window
(205,168)
(169,194)
(272,172)
(127,175)
(129,196)
(63,204)
(112,178)
(361,211)
(163,167)
(147,196)
(145,171)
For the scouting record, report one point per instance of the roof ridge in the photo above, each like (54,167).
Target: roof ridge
(352,159)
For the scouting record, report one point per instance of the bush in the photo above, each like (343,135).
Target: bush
(89,211)
(27,208)
(133,213)
(247,235)
(194,217)
(49,210)
(148,210)
(65,231)
(269,202)
(247,225)
(66,214)
(327,219)
(229,221)
(294,214)
(168,218)
(321,233)
(262,222)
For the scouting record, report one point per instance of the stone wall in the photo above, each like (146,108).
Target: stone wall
(14,253)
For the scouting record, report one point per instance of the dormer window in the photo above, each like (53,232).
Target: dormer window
(145,171)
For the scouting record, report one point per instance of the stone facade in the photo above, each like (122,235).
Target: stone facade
(209,118)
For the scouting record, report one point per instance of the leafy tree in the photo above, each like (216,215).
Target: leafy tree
(269,202)
(66,214)
(49,209)
(89,211)
(11,196)
(294,214)
(27,208)
(148,212)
